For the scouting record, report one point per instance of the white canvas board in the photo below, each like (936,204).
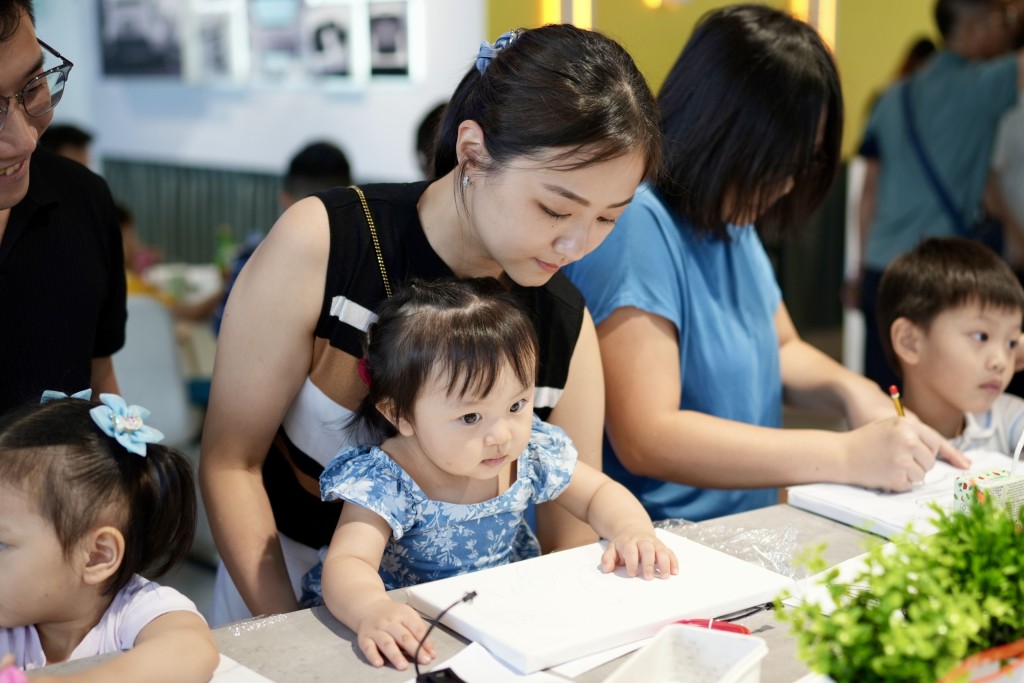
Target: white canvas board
(886,514)
(552,609)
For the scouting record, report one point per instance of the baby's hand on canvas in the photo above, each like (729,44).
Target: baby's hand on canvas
(641,552)
(389,628)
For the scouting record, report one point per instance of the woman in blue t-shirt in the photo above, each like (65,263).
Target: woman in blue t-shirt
(698,348)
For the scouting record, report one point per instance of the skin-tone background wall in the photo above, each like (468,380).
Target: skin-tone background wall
(871,39)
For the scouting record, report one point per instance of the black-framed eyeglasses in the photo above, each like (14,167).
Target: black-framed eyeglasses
(42,93)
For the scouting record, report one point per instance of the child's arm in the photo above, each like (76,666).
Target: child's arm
(355,594)
(618,516)
(176,647)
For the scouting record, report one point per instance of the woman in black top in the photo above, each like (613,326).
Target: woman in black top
(541,149)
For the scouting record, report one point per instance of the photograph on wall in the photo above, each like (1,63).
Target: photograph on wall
(140,37)
(217,42)
(327,40)
(389,38)
(274,36)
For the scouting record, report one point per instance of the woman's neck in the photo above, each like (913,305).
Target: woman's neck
(450,231)
(59,639)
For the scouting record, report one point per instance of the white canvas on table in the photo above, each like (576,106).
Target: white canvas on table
(887,514)
(551,609)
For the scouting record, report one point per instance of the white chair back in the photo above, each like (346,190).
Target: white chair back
(149,371)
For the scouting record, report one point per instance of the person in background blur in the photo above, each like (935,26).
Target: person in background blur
(426,136)
(916,183)
(137,285)
(68,141)
(317,166)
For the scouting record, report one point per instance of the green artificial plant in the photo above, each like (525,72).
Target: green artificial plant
(923,604)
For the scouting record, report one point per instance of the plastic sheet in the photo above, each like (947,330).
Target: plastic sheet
(771,549)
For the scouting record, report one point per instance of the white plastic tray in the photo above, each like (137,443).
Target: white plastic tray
(695,655)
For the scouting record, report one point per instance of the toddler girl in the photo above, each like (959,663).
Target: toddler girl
(88,501)
(450,367)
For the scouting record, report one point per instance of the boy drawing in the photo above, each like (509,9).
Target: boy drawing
(950,312)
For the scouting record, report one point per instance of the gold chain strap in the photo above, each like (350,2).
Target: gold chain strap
(376,241)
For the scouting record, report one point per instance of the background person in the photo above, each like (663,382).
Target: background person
(934,188)
(68,141)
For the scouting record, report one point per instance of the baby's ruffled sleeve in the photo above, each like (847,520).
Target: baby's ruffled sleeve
(369,478)
(549,460)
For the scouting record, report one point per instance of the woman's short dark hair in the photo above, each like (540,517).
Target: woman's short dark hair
(81,478)
(740,111)
(940,274)
(555,87)
(466,330)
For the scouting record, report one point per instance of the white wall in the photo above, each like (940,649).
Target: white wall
(258,127)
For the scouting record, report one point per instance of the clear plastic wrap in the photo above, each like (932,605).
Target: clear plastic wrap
(771,549)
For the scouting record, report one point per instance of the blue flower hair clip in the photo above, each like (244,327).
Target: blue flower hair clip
(125,423)
(51,395)
(488,52)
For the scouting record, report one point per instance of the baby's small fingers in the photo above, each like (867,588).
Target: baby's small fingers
(630,556)
(648,557)
(609,558)
(667,564)
(371,650)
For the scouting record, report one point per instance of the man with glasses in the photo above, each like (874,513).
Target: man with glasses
(62,285)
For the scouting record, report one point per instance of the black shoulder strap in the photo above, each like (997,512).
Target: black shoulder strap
(929,169)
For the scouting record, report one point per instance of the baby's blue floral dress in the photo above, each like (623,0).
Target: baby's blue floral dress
(433,539)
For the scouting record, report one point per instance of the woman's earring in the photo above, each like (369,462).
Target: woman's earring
(465,183)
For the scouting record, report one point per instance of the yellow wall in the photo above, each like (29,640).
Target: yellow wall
(871,38)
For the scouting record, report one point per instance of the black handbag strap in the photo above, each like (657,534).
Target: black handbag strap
(929,169)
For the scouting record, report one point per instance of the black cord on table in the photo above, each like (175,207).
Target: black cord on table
(445,675)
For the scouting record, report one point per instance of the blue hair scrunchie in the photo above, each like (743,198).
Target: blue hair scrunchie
(51,395)
(488,52)
(125,423)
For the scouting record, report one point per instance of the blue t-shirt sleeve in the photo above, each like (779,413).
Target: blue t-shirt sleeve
(634,266)
(996,84)
(548,462)
(369,478)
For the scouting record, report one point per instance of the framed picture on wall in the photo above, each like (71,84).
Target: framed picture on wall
(141,37)
(217,44)
(275,37)
(328,40)
(389,38)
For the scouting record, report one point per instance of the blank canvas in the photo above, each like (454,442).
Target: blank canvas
(551,609)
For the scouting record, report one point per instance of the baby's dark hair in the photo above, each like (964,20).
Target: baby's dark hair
(81,478)
(940,274)
(468,331)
